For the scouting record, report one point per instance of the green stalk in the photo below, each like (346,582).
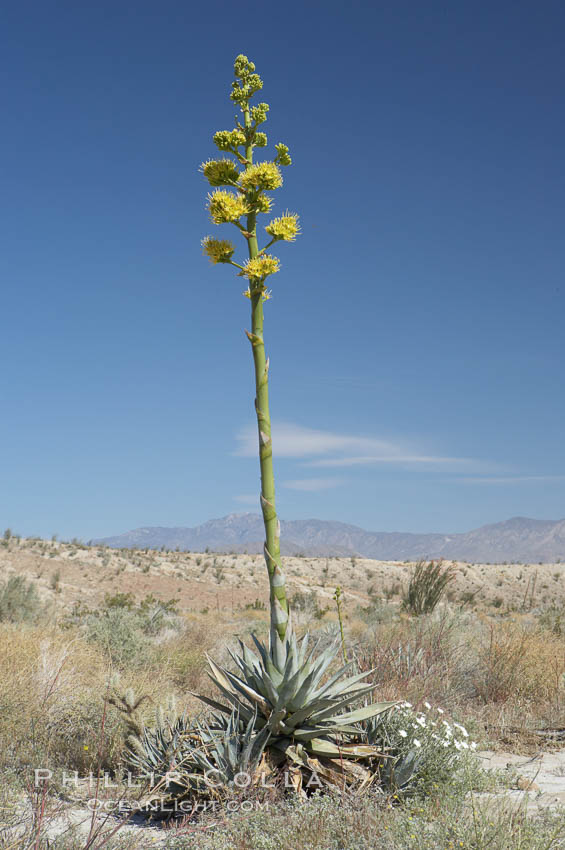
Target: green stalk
(277,581)
(337,597)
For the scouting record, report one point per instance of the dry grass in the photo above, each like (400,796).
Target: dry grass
(52,686)
(517,661)
(420,659)
(504,678)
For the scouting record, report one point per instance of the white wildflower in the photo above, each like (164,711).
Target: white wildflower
(427,705)
(417,743)
(440,710)
(402,733)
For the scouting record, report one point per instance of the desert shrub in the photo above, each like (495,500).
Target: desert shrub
(514,661)
(123,629)
(156,615)
(182,657)
(419,659)
(119,634)
(553,619)
(19,601)
(119,600)
(258,605)
(424,748)
(378,612)
(395,589)
(306,606)
(427,585)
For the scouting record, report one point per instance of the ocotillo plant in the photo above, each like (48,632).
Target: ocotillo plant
(240,205)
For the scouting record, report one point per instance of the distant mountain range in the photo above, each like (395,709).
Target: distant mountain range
(517,539)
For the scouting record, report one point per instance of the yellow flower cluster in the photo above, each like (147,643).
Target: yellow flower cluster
(218,250)
(286,227)
(263,175)
(263,204)
(226,206)
(220,172)
(257,269)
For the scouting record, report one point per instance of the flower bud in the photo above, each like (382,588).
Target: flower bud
(259,113)
(282,157)
(226,140)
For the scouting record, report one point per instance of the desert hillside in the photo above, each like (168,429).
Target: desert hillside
(66,573)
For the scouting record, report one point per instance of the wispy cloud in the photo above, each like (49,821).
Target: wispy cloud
(297,441)
(509,479)
(330,449)
(248,499)
(393,458)
(312,484)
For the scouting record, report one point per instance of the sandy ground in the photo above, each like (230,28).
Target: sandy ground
(539,780)
(536,783)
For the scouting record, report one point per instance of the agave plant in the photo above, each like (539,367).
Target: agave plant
(283,704)
(290,692)
(287,686)
(166,754)
(230,747)
(163,748)
(291,716)
(188,759)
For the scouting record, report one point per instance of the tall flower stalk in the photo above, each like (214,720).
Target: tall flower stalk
(240,204)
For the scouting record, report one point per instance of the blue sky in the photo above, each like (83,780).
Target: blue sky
(415,330)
